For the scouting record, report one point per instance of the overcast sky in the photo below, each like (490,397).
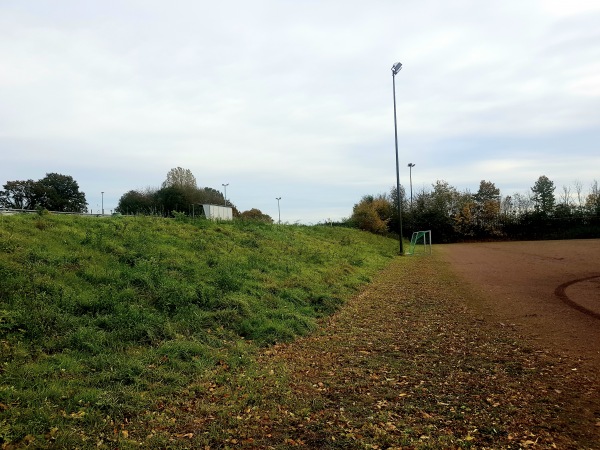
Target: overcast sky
(293,98)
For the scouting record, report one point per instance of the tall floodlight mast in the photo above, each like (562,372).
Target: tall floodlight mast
(395,69)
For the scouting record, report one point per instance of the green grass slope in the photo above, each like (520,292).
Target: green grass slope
(102,318)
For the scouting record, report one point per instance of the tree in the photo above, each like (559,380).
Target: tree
(578,189)
(507,206)
(180,183)
(256,214)
(61,193)
(487,204)
(543,195)
(522,203)
(488,192)
(592,201)
(211,196)
(181,193)
(465,220)
(562,210)
(21,194)
(181,178)
(172,198)
(373,214)
(477,215)
(565,197)
(54,192)
(447,201)
(135,202)
(393,223)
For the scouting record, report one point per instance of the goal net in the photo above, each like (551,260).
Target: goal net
(420,242)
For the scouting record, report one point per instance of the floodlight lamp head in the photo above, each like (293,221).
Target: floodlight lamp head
(396,68)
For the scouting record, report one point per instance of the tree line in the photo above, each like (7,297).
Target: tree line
(451,215)
(459,216)
(179,193)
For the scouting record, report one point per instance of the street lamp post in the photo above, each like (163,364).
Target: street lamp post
(410,166)
(395,69)
(102,202)
(225,190)
(278,210)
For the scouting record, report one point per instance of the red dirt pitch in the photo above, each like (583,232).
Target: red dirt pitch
(548,290)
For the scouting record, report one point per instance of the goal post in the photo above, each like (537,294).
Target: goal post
(420,242)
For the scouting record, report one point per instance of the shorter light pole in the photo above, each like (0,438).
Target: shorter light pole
(102,202)
(410,166)
(225,190)
(278,210)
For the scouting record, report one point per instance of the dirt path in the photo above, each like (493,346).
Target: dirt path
(406,364)
(548,290)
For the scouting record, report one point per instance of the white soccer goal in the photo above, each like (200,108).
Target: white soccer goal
(420,242)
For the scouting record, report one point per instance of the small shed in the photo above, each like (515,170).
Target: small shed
(217,212)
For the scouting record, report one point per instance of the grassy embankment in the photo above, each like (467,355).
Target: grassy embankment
(104,318)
